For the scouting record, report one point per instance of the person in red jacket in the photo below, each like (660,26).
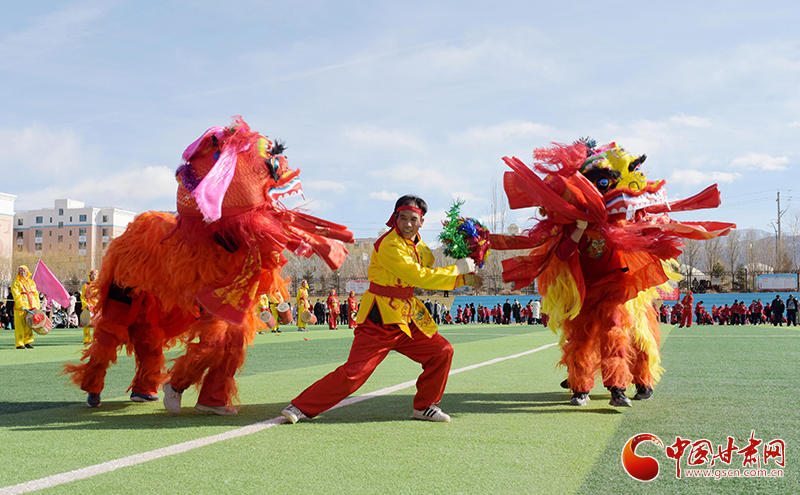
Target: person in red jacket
(686,315)
(333,309)
(352,308)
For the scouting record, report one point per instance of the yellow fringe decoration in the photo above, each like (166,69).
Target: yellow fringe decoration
(561,298)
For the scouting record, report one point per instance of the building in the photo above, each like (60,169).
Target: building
(70,230)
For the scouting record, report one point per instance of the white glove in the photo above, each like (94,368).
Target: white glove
(465,266)
(474,281)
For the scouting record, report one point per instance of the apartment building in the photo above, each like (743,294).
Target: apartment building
(70,229)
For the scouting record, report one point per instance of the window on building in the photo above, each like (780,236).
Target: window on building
(82,218)
(38,233)
(19,235)
(61,238)
(19,221)
(50,233)
(60,211)
(38,246)
(51,219)
(105,218)
(105,232)
(105,245)
(70,219)
(82,245)
(70,231)
(82,231)
(60,225)
(39,219)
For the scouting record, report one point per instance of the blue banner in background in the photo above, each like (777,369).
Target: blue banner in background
(707,299)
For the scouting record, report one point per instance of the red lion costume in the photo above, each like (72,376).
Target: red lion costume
(197,277)
(605,243)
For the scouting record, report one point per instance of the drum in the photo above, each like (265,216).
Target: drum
(86,318)
(267,318)
(285,312)
(39,322)
(313,320)
(306,316)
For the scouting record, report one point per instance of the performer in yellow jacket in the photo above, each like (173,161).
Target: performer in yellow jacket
(275,298)
(391,318)
(25,297)
(302,305)
(88,302)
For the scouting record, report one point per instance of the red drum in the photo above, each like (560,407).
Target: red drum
(285,312)
(313,320)
(267,318)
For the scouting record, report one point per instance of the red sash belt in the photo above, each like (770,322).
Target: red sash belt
(394,292)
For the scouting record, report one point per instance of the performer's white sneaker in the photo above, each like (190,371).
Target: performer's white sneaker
(432,413)
(293,414)
(579,399)
(172,398)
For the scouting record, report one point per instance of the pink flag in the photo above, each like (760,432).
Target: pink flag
(48,284)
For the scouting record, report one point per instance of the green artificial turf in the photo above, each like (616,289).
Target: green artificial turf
(512,429)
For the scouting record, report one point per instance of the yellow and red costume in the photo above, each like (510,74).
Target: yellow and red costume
(274,300)
(392,318)
(352,309)
(26,297)
(197,278)
(88,302)
(598,290)
(302,304)
(333,310)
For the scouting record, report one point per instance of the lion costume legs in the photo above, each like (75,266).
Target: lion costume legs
(212,361)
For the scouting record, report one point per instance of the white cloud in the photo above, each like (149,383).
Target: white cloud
(377,138)
(694,177)
(480,137)
(47,153)
(324,185)
(53,31)
(129,189)
(384,195)
(760,161)
(796,123)
(690,121)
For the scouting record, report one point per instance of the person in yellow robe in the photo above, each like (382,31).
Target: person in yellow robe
(26,297)
(302,305)
(88,302)
(274,300)
(391,318)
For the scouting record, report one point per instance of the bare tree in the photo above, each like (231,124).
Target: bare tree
(794,243)
(733,245)
(690,258)
(712,249)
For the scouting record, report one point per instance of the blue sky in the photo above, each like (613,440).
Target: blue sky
(379,99)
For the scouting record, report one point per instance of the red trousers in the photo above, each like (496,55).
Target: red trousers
(371,344)
(686,316)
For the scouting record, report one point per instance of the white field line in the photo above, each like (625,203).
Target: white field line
(106,467)
(670,336)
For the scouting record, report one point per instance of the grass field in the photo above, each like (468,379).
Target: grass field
(512,429)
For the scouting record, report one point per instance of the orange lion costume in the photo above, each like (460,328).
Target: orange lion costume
(197,277)
(602,247)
